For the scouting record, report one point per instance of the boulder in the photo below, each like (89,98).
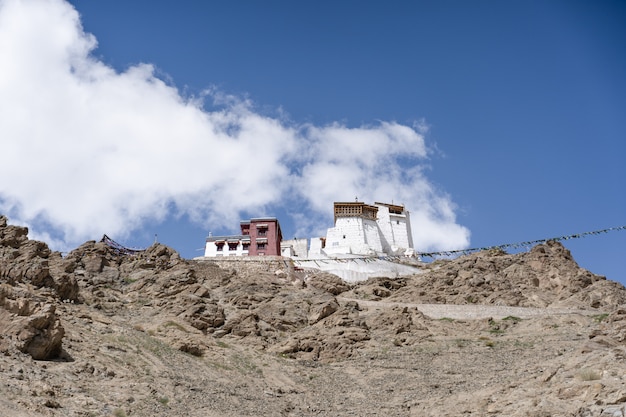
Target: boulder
(38,333)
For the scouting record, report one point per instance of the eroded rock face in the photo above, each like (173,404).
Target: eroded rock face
(546,276)
(327,282)
(29,293)
(24,261)
(29,326)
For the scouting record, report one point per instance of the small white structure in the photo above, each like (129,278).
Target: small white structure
(294,248)
(226,246)
(316,249)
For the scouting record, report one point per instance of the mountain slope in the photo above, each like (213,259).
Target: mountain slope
(103,333)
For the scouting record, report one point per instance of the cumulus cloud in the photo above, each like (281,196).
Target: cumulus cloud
(87,149)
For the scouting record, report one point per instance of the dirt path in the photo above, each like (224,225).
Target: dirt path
(470,311)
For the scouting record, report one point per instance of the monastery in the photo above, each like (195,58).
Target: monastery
(356,248)
(360,229)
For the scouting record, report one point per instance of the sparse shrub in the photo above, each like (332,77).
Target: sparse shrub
(176,326)
(461,342)
(143,302)
(512,318)
(488,341)
(494,327)
(526,344)
(164,400)
(600,317)
(119,412)
(587,374)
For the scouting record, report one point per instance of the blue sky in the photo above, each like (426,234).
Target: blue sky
(494,122)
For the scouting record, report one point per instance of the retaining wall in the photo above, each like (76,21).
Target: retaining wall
(252,263)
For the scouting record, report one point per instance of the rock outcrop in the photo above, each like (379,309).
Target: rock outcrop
(546,276)
(29,294)
(32,329)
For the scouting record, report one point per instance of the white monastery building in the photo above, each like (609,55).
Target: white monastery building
(363,229)
(358,247)
(360,229)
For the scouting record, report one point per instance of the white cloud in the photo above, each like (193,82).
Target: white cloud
(88,150)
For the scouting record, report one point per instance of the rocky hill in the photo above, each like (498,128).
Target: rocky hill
(102,333)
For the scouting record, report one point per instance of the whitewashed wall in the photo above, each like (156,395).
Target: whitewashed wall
(395,230)
(210,250)
(299,247)
(348,233)
(354,235)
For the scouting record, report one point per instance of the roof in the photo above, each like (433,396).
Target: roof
(398,207)
(259,219)
(225,238)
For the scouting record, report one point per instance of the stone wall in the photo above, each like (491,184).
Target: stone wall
(253,264)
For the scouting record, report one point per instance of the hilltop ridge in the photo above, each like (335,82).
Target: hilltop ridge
(101,333)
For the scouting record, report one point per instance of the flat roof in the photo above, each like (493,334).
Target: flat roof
(399,207)
(225,238)
(259,219)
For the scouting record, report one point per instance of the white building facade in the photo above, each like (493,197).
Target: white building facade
(369,230)
(394,223)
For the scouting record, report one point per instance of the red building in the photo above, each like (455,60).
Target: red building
(259,236)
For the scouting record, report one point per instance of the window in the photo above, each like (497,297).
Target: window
(220,246)
(232,245)
(262,232)
(261,245)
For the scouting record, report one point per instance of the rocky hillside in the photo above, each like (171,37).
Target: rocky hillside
(103,333)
